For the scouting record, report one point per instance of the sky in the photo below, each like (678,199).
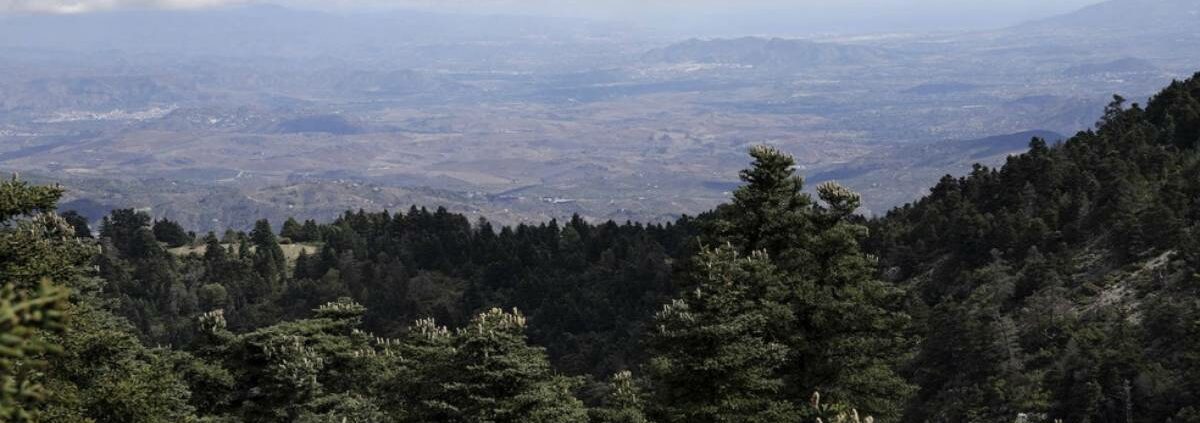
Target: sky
(819,15)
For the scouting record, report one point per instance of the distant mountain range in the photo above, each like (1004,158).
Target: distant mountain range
(1163,30)
(1129,16)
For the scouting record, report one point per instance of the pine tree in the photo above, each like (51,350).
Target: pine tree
(171,233)
(269,260)
(770,213)
(18,198)
(35,246)
(293,231)
(121,227)
(303,369)
(23,320)
(850,335)
(302,267)
(312,233)
(847,335)
(79,222)
(415,373)
(214,252)
(623,402)
(133,383)
(504,380)
(713,355)
(1090,378)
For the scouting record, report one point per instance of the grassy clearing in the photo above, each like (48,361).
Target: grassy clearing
(290,251)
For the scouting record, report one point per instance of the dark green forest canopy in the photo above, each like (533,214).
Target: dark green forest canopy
(1060,286)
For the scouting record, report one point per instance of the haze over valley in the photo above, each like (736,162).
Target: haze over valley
(218,117)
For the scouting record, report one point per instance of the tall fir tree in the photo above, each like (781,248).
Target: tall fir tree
(100,371)
(623,401)
(848,335)
(170,233)
(715,355)
(269,260)
(503,379)
(770,213)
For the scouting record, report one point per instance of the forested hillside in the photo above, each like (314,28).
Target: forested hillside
(1061,286)
(1063,283)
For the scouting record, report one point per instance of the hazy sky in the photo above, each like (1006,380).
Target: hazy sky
(862,15)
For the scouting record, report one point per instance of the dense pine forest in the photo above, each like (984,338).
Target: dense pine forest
(1063,286)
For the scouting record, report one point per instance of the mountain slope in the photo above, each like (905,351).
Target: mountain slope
(1164,32)
(1060,284)
(1129,15)
(898,174)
